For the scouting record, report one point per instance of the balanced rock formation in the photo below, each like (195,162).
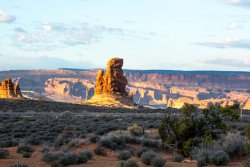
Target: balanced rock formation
(9,90)
(110,88)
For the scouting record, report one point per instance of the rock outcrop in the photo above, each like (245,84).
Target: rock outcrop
(9,90)
(110,89)
(113,81)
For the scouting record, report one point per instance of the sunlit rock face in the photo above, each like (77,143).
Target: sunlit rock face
(113,81)
(9,90)
(110,88)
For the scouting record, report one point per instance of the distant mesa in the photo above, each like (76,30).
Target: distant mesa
(110,88)
(9,90)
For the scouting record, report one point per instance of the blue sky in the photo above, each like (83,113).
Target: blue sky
(148,34)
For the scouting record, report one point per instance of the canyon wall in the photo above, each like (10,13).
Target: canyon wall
(154,88)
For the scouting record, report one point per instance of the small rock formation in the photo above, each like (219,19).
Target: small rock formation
(9,90)
(110,89)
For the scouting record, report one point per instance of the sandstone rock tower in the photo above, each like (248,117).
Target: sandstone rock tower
(113,81)
(110,89)
(9,90)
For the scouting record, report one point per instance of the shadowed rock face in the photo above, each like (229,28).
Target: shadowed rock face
(9,90)
(113,81)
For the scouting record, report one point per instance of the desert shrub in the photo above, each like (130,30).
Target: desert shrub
(128,163)
(195,126)
(131,163)
(19,165)
(201,154)
(51,157)
(140,151)
(246,163)
(234,144)
(66,114)
(74,143)
(147,157)
(158,162)
(219,157)
(99,150)
(247,132)
(177,158)
(88,154)
(68,159)
(94,138)
(151,143)
(120,164)
(4,153)
(25,149)
(135,130)
(82,158)
(113,142)
(8,142)
(132,139)
(58,159)
(27,154)
(124,155)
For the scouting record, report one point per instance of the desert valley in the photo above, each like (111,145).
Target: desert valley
(145,83)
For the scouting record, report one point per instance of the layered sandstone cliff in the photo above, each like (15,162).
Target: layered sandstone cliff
(9,90)
(110,88)
(155,88)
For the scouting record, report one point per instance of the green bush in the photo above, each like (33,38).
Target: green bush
(151,143)
(201,154)
(147,157)
(219,157)
(120,164)
(82,158)
(58,159)
(94,138)
(128,163)
(124,155)
(135,130)
(99,150)
(177,158)
(158,162)
(4,153)
(195,126)
(131,163)
(247,163)
(88,154)
(140,151)
(66,114)
(25,149)
(234,144)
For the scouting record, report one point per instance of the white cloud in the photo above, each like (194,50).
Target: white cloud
(233,26)
(227,42)
(47,27)
(6,18)
(233,1)
(21,38)
(223,40)
(30,38)
(246,60)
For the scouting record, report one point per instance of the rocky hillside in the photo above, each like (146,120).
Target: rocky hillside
(156,88)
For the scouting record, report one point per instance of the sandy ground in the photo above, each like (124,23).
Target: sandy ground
(98,161)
